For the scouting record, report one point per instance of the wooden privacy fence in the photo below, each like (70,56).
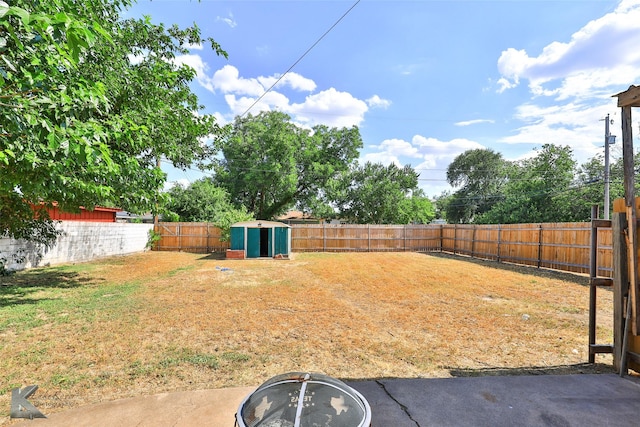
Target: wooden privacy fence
(364,238)
(195,237)
(559,246)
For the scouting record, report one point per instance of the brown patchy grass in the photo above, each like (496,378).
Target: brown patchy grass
(160,321)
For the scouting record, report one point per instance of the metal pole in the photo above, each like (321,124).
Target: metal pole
(606,167)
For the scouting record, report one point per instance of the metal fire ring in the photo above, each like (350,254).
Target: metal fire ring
(299,399)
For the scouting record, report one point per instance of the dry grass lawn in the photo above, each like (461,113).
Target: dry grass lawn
(160,321)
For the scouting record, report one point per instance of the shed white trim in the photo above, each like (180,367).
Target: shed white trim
(260,224)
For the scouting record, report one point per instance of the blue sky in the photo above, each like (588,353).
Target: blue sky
(423,80)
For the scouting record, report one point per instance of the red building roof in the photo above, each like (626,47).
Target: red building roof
(98,214)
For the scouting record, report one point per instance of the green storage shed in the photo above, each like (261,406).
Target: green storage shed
(261,239)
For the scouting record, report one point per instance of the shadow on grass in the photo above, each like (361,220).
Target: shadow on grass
(18,288)
(214,256)
(577,278)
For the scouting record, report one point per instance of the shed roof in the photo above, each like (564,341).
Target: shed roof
(260,224)
(629,98)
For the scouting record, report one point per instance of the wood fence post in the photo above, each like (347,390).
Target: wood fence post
(632,227)
(441,237)
(540,245)
(620,283)
(593,272)
(473,241)
(455,238)
(212,229)
(324,237)
(499,237)
(368,237)
(405,237)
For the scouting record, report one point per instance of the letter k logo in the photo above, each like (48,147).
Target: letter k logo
(21,407)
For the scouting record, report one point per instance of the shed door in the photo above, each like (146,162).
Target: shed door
(281,240)
(253,243)
(237,238)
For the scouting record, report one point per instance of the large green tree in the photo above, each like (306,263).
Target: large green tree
(271,165)
(82,123)
(534,189)
(479,176)
(376,194)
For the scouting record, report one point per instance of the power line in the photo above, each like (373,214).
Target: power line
(300,58)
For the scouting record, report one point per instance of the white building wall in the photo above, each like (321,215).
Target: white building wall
(79,241)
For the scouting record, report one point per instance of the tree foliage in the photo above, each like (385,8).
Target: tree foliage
(548,187)
(534,188)
(271,165)
(588,188)
(416,209)
(39,48)
(203,201)
(376,194)
(81,123)
(479,175)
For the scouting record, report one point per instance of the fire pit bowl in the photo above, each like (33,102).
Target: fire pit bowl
(299,399)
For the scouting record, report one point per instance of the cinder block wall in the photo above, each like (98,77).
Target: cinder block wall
(79,241)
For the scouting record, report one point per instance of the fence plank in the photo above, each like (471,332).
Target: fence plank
(559,246)
(195,237)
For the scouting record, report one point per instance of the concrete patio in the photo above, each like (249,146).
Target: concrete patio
(537,400)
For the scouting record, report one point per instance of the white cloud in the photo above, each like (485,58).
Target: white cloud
(271,101)
(571,82)
(512,64)
(474,122)
(376,102)
(293,80)
(196,62)
(575,124)
(429,157)
(197,46)
(441,153)
(602,54)
(399,147)
(228,80)
(221,119)
(505,84)
(330,107)
(227,20)
(438,155)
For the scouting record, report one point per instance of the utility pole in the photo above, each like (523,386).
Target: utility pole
(608,139)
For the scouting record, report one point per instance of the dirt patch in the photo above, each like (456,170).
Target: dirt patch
(160,321)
